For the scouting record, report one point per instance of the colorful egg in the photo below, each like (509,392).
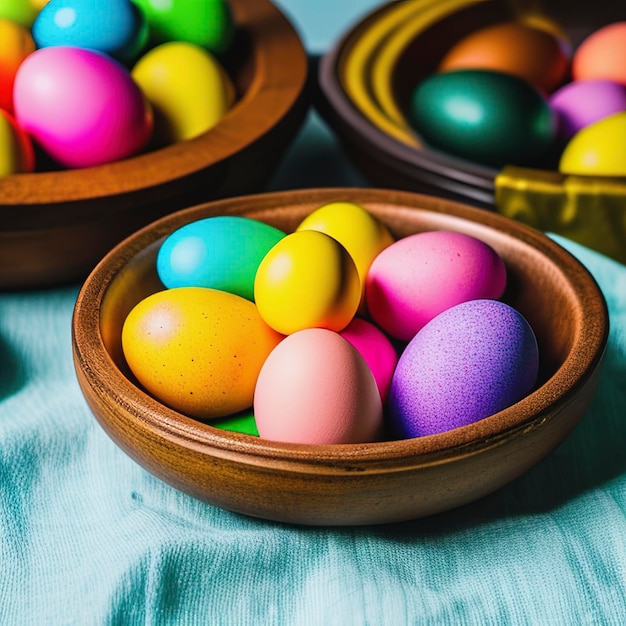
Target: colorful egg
(598,149)
(208,23)
(360,233)
(197,350)
(16,44)
(307,280)
(16,150)
(316,388)
(601,55)
(377,350)
(243,422)
(419,276)
(532,54)
(116,27)
(488,117)
(469,362)
(185,104)
(22,12)
(81,106)
(583,102)
(221,252)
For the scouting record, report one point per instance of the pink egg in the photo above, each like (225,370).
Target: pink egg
(417,277)
(316,388)
(81,106)
(375,347)
(583,102)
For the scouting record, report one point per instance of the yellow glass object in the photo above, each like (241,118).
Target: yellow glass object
(590,210)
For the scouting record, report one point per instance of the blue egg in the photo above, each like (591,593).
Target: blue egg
(115,27)
(221,252)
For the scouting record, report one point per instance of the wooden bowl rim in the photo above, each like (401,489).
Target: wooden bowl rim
(275,84)
(95,363)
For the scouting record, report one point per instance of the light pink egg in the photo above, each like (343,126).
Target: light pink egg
(316,388)
(417,277)
(81,106)
(377,350)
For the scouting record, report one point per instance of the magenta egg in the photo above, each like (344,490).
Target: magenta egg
(469,362)
(419,276)
(81,106)
(377,350)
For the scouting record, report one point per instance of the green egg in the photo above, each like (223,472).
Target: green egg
(206,23)
(488,117)
(243,422)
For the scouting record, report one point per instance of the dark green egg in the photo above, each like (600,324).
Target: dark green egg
(488,117)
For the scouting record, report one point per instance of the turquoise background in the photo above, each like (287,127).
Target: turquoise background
(87,537)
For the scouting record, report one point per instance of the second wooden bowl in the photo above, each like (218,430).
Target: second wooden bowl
(365,81)
(370,483)
(57,225)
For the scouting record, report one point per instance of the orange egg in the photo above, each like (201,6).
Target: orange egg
(602,55)
(517,48)
(198,350)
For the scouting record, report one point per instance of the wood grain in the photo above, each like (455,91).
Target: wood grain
(56,225)
(349,484)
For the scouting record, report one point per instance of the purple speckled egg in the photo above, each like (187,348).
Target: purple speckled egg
(467,363)
(583,102)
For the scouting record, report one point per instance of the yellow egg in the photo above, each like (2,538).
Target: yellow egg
(198,350)
(360,233)
(185,103)
(598,149)
(16,149)
(307,280)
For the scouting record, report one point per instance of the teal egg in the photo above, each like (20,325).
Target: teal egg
(221,252)
(115,27)
(488,117)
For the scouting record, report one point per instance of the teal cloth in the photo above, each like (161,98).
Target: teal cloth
(87,537)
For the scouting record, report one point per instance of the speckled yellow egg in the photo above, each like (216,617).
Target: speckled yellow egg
(598,149)
(307,280)
(185,103)
(360,232)
(198,350)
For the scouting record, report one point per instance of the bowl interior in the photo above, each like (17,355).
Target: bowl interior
(545,284)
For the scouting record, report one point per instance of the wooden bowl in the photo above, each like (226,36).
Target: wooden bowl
(365,82)
(56,225)
(370,483)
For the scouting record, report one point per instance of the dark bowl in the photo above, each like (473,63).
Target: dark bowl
(588,209)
